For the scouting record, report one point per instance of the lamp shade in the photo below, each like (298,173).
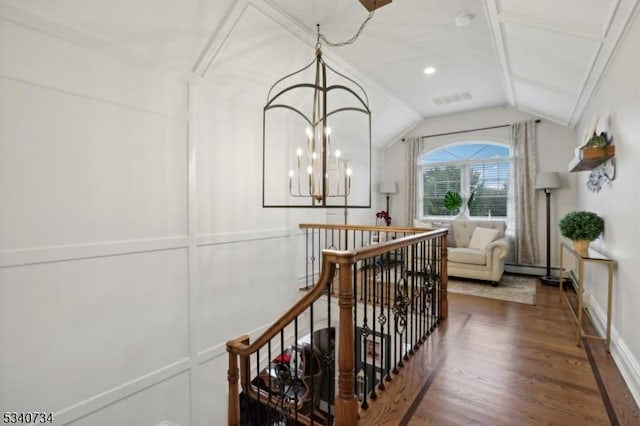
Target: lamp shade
(388,187)
(548,180)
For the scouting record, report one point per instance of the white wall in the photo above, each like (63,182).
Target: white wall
(555,147)
(129,251)
(94,250)
(133,242)
(618,98)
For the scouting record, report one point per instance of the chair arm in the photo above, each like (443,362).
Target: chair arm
(498,248)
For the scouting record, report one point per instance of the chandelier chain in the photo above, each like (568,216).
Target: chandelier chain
(346,42)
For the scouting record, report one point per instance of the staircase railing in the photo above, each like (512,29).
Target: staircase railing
(318,237)
(389,297)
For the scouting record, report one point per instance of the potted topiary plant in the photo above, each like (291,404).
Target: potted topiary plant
(581,227)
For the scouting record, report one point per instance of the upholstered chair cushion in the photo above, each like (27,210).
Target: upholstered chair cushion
(468,255)
(482,237)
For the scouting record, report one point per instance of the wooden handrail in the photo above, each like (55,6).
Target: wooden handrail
(330,258)
(346,403)
(374,228)
(387,246)
(240,347)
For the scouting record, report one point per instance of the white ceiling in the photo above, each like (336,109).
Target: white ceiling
(552,53)
(543,57)
(406,36)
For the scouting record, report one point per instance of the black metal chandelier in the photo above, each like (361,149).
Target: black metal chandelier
(316,139)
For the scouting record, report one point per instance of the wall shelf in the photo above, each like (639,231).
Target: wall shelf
(590,158)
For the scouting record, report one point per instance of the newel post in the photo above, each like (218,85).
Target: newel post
(346,404)
(234,391)
(233,374)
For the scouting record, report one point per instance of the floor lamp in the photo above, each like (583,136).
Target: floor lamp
(388,187)
(548,181)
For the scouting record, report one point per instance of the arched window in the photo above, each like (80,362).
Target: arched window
(481,169)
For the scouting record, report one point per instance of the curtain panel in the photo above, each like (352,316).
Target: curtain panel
(524,193)
(412,154)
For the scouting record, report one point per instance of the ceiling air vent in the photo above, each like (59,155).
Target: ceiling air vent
(455,97)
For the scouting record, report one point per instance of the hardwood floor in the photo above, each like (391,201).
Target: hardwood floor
(502,363)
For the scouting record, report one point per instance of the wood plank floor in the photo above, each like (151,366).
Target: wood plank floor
(502,363)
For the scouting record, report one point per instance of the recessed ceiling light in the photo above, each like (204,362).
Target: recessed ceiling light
(429,70)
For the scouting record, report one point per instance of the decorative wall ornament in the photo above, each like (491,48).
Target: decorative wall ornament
(601,175)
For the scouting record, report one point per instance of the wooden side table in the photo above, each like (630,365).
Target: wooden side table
(592,257)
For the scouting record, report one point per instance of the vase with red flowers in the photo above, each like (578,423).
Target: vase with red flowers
(383,216)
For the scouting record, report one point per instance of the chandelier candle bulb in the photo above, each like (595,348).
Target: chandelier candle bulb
(309,140)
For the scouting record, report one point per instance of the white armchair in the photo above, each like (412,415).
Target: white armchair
(472,253)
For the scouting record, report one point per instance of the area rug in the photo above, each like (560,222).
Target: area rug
(512,288)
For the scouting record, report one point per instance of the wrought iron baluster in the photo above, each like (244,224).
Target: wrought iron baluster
(295,377)
(377,270)
(365,331)
(269,385)
(307,278)
(400,320)
(387,376)
(313,253)
(382,320)
(258,402)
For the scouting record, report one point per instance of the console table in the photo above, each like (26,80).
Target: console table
(592,257)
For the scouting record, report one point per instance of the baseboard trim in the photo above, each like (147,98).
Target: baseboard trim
(625,361)
(516,268)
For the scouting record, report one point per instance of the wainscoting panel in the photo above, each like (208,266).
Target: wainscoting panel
(209,384)
(93,148)
(132,242)
(74,330)
(57,57)
(88,171)
(241,287)
(166,401)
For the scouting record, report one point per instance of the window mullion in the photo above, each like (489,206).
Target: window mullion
(465,180)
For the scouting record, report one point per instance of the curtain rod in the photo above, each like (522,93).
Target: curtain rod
(467,131)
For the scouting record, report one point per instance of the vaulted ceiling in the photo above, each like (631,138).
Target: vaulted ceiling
(543,57)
